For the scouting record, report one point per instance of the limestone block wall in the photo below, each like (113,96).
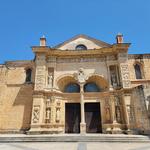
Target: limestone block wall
(138,112)
(15,99)
(144,60)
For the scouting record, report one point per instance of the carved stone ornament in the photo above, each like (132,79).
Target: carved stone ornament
(81,76)
(36,114)
(126,84)
(40,78)
(125,75)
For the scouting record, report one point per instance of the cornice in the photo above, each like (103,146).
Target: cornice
(114,49)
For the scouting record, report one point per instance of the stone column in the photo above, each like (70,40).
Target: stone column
(127,105)
(81,78)
(82,124)
(113,111)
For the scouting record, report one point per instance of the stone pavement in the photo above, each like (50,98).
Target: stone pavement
(74,146)
(74,142)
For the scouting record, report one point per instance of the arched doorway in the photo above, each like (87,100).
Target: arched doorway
(92,112)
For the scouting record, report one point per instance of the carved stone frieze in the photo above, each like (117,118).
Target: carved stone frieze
(40,77)
(68,60)
(125,75)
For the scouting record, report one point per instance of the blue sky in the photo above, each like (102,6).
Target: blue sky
(23,22)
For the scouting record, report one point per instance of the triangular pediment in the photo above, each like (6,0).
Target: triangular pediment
(88,42)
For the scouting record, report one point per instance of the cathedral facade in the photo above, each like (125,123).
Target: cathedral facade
(82,85)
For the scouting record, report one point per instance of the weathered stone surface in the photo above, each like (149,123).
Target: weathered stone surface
(39,105)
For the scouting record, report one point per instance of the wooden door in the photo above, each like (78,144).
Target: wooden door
(72,118)
(93,118)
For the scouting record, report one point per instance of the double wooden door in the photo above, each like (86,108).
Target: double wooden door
(73,117)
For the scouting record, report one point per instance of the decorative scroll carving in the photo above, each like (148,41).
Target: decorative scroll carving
(36,114)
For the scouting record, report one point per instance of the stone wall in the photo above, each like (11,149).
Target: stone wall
(15,98)
(144,61)
(139,114)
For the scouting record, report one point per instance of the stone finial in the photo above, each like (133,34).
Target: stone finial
(119,38)
(43,41)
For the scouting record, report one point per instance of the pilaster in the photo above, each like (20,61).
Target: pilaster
(123,65)
(40,75)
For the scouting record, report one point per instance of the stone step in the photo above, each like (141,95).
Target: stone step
(73,138)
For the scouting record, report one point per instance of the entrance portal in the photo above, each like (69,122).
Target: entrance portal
(72,118)
(93,118)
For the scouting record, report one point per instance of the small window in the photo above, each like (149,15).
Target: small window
(28,75)
(138,72)
(81,47)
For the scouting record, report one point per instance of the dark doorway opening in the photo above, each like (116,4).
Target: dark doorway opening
(72,118)
(93,118)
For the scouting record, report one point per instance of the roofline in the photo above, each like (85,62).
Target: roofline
(78,36)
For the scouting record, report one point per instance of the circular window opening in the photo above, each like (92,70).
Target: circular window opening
(81,47)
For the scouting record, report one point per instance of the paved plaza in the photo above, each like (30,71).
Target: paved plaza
(74,146)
